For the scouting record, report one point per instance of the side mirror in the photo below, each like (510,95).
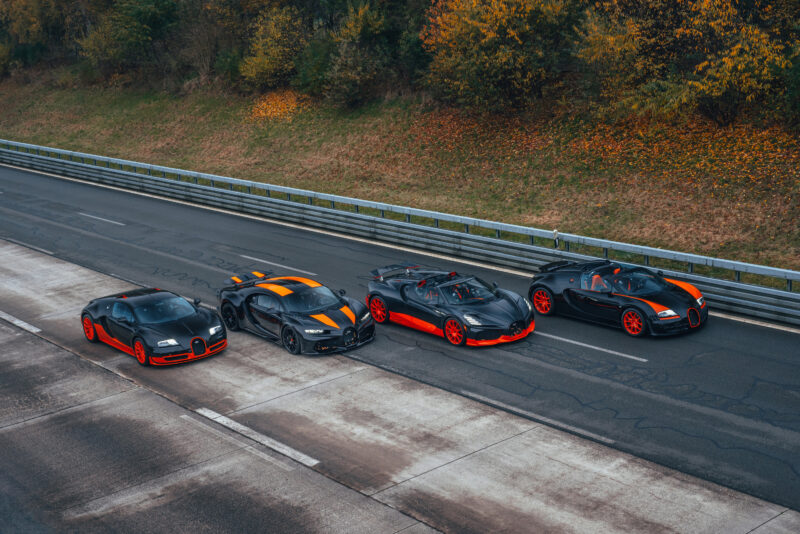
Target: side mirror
(196,302)
(342,292)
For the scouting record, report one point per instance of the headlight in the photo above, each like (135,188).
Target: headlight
(364,317)
(701,301)
(472,320)
(667,313)
(214,329)
(167,343)
(314,330)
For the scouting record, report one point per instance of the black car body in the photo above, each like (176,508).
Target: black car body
(463,309)
(634,298)
(303,315)
(156,327)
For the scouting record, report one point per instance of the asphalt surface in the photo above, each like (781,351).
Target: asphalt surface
(722,403)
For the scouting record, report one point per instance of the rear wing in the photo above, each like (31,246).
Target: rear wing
(246,279)
(381,272)
(556,265)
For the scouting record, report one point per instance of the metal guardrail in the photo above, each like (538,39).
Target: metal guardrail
(510,245)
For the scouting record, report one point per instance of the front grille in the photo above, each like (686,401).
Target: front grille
(176,358)
(694,317)
(198,346)
(349,336)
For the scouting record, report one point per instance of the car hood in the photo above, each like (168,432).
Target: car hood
(183,330)
(499,312)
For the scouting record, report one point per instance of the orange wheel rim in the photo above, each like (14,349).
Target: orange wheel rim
(138,349)
(541,301)
(632,322)
(453,332)
(88,328)
(377,309)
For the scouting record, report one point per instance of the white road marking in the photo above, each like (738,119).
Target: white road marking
(755,322)
(44,251)
(539,418)
(248,448)
(565,340)
(101,219)
(276,446)
(277,265)
(19,322)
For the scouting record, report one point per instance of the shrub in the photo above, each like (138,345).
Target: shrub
(279,35)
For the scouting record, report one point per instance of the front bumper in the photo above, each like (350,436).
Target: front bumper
(481,337)
(329,344)
(194,352)
(665,327)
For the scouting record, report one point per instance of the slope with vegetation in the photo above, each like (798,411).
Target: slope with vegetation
(672,123)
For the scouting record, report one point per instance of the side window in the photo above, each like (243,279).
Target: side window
(266,301)
(121,311)
(425,294)
(594,282)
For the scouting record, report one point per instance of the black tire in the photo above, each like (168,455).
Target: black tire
(290,340)
(378,309)
(140,352)
(542,300)
(454,331)
(89,331)
(633,322)
(229,317)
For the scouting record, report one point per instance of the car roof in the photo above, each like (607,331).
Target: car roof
(285,285)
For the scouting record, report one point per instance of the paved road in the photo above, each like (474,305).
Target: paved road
(721,403)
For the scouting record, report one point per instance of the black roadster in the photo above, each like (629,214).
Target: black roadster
(462,309)
(634,298)
(155,326)
(302,314)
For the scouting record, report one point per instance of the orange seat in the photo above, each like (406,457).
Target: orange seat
(597,283)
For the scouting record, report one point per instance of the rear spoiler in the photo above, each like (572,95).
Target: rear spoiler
(556,265)
(380,272)
(246,279)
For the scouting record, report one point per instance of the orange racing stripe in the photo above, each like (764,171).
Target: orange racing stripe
(689,288)
(280,290)
(656,307)
(349,313)
(306,281)
(324,319)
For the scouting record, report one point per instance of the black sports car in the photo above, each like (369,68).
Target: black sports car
(155,326)
(302,314)
(631,297)
(462,309)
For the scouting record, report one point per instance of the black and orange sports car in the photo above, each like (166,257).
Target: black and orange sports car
(634,298)
(155,326)
(303,315)
(464,310)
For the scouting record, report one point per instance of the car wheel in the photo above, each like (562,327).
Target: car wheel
(378,310)
(140,352)
(454,332)
(542,301)
(229,317)
(633,322)
(88,328)
(290,340)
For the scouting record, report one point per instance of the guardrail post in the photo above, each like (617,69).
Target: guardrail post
(690,267)
(310,201)
(436,223)
(333,205)
(566,246)
(466,228)
(737,276)
(497,234)
(647,260)
(356,207)
(288,196)
(408,218)
(605,253)
(788,285)
(383,215)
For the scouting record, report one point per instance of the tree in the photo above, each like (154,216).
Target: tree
(498,54)
(279,35)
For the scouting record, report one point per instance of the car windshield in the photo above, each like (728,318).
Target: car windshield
(164,310)
(638,282)
(470,291)
(310,300)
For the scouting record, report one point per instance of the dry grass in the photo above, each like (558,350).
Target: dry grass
(732,193)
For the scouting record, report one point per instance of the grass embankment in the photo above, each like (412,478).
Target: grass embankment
(732,193)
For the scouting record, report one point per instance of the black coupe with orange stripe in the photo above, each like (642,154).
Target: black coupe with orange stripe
(634,298)
(156,327)
(303,315)
(463,309)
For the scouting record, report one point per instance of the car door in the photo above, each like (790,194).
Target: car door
(422,303)
(121,323)
(265,312)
